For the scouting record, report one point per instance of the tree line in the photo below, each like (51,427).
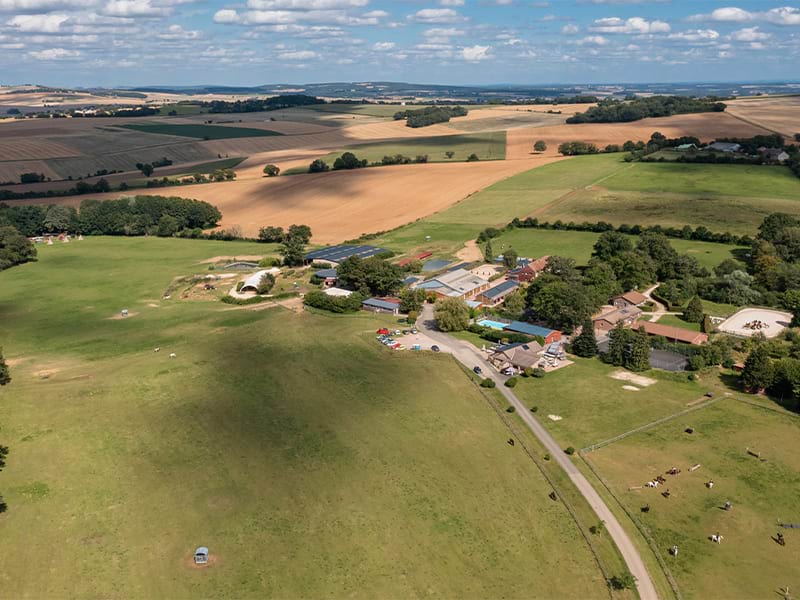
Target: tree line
(261,104)
(430,115)
(139,215)
(635,109)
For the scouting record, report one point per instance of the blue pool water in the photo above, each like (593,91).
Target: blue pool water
(492,324)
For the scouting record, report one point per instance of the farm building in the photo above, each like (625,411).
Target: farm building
(389,306)
(607,321)
(528,272)
(241,264)
(685,147)
(673,334)
(494,296)
(548,335)
(724,147)
(777,155)
(518,356)
(328,276)
(456,284)
(337,292)
(251,283)
(628,299)
(410,259)
(336,254)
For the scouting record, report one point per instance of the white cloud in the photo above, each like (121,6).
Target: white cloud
(570,29)
(176,32)
(383,46)
(33,6)
(298,55)
(633,25)
(134,8)
(475,53)
(38,23)
(784,15)
(436,15)
(452,2)
(305,4)
(595,40)
(695,35)
(226,15)
(749,34)
(54,54)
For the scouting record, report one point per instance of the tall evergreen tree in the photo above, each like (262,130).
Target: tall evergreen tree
(693,313)
(488,254)
(638,355)
(617,338)
(758,372)
(585,345)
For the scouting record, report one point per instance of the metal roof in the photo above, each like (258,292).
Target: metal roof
(339,253)
(520,327)
(378,303)
(501,289)
(326,273)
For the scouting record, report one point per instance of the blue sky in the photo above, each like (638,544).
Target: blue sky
(250,42)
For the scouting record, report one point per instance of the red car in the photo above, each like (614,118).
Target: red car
(382,331)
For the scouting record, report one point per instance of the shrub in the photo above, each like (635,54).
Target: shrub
(511,382)
(622,582)
(539,372)
(488,383)
(269,261)
(318,299)
(534,409)
(569,450)
(272,171)
(510,409)
(473,158)
(242,301)
(318,166)
(546,456)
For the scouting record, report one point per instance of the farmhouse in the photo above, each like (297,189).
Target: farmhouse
(607,321)
(389,306)
(496,295)
(673,334)
(777,155)
(456,284)
(724,147)
(518,356)
(548,335)
(336,254)
(628,299)
(530,271)
(685,147)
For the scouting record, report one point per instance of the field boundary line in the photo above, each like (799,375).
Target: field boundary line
(781,411)
(511,427)
(641,527)
(647,426)
(757,124)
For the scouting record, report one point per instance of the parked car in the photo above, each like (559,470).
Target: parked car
(435,348)
(507,371)
(477,370)
(414,331)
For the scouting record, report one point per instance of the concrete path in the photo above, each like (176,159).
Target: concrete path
(470,356)
(660,309)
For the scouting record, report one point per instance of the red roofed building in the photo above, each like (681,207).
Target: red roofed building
(420,256)
(528,272)
(673,334)
(632,298)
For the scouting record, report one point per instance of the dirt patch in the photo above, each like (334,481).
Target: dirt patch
(470,252)
(45,373)
(639,380)
(120,316)
(630,388)
(13,362)
(216,259)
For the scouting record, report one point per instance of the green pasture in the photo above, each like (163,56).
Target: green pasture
(488,146)
(748,563)
(311,460)
(676,321)
(200,131)
(182,109)
(595,407)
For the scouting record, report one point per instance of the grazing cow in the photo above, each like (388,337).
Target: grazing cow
(727,505)
(173,355)
(710,483)
(645,508)
(715,537)
(674,551)
(157,350)
(510,441)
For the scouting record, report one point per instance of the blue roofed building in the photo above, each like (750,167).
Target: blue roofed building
(497,294)
(548,335)
(389,306)
(336,254)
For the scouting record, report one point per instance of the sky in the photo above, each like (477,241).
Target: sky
(254,42)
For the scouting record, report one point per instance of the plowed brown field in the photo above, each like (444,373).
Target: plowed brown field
(779,114)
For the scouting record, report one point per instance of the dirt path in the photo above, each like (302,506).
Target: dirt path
(470,252)
(470,356)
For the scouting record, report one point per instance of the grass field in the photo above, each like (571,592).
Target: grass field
(182,109)
(200,131)
(488,146)
(748,563)
(733,198)
(676,321)
(306,456)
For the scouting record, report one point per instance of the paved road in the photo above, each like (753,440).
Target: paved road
(470,356)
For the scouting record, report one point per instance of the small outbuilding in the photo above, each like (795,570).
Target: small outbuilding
(201,556)
(389,306)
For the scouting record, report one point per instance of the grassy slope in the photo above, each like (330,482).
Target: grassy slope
(732,198)
(748,564)
(200,131)
(304,454)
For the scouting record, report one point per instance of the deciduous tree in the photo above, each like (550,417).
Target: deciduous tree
(451,314)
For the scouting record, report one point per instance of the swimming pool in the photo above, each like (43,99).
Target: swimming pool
(492,324)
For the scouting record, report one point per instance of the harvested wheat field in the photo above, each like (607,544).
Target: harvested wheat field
(340,205)
(779,114)
(706,126)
